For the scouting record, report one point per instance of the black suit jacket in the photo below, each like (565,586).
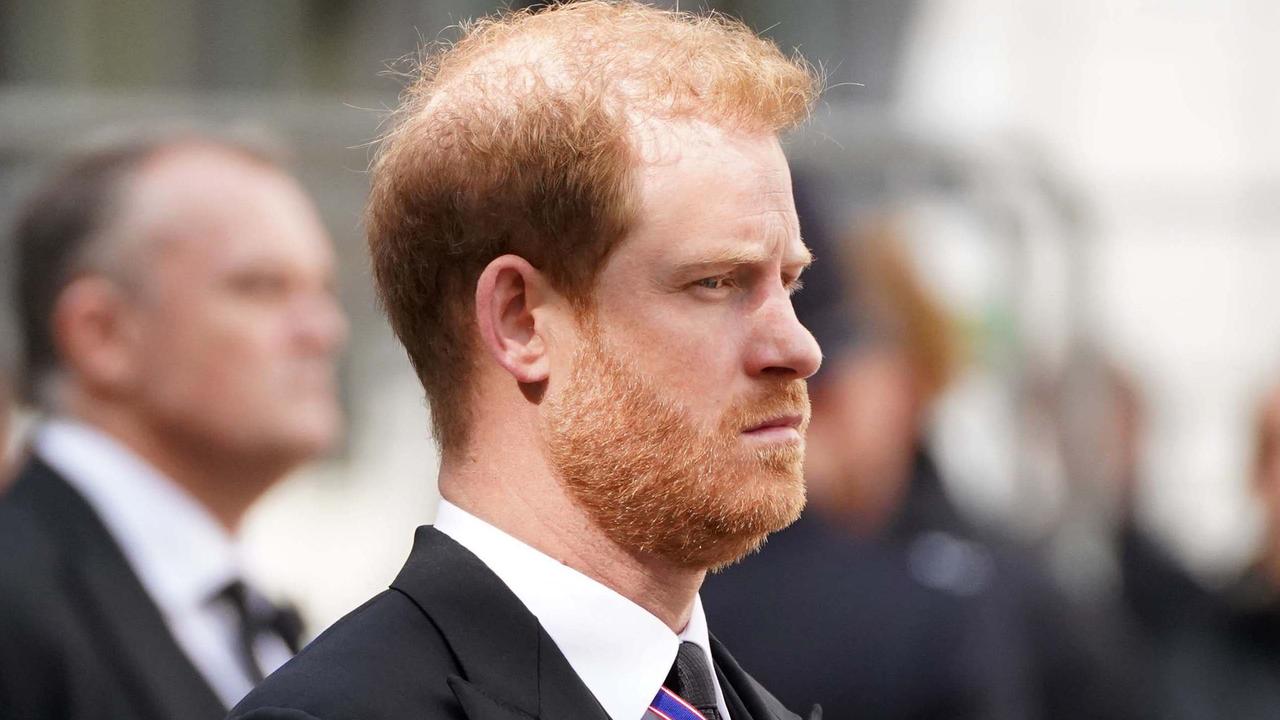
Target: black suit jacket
(450,640)
(80,638)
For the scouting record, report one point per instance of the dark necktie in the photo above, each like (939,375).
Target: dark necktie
(691,679)
(256,619)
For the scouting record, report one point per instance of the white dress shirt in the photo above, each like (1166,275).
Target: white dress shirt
(182,556)
(621,651)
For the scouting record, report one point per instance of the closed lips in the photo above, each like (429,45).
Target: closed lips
(785,421)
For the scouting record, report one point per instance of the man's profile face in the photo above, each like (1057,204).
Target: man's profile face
(237,320)
(681,427)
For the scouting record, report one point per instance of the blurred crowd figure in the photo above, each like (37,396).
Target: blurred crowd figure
(1105,553)
(6,419)
(1217,655)
(898,607)
(179,327)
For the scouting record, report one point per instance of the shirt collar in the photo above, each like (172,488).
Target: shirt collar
(182,556)
(621,651)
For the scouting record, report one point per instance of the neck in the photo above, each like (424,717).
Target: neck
(224,485)
(525,500)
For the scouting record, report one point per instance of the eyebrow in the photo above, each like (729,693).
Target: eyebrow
(739,257)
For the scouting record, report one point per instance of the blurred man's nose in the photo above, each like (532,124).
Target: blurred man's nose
(783,347)
(321,324)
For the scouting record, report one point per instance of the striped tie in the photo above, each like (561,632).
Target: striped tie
(670,706)
(690,692)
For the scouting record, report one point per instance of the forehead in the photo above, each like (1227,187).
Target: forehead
(705,192)
(210,205)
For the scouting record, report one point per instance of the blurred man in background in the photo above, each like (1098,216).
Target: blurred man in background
(6,417)
(180,329)
(1222,659)
(897,607)
(1261,585)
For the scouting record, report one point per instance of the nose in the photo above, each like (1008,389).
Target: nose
(321,324)
(783,348)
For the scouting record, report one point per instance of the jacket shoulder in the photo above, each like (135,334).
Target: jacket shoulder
(34,598)
(383,661)
(27,538)
(49,664)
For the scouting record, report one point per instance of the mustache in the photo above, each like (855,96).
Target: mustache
(790,399)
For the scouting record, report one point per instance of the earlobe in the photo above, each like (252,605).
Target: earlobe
(509,295)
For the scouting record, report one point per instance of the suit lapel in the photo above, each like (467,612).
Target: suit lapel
(155,666)
(132,636)
(737,710)
(746,699)
(479,705)
(511,669)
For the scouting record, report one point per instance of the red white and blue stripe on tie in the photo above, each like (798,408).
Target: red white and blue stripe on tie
(667,705)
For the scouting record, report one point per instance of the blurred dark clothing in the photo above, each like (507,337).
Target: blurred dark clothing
(802,620)
(1221,659)
(79,636)
(926,620)
(1157,591)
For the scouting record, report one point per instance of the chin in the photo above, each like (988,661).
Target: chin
(317,444)
(308,438)
(746,518)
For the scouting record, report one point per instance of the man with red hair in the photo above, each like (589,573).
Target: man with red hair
(583,232)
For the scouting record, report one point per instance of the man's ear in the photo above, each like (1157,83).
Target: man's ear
(93,333)
(510,296)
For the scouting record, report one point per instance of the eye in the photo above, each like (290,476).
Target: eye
(719,282)
(259,284)
(793,286)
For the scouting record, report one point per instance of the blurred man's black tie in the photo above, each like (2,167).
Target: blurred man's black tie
(691,679)
(257,619)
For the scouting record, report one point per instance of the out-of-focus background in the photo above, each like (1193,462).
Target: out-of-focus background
(1089,188)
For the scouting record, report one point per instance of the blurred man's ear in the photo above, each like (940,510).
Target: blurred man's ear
(515,309)
(96,335)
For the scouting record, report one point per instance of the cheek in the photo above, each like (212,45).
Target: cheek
(696,358)
(210,365)
(1270,482)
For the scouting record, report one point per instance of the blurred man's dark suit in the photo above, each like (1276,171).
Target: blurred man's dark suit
(79,636)
(450,640)
(929,619)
